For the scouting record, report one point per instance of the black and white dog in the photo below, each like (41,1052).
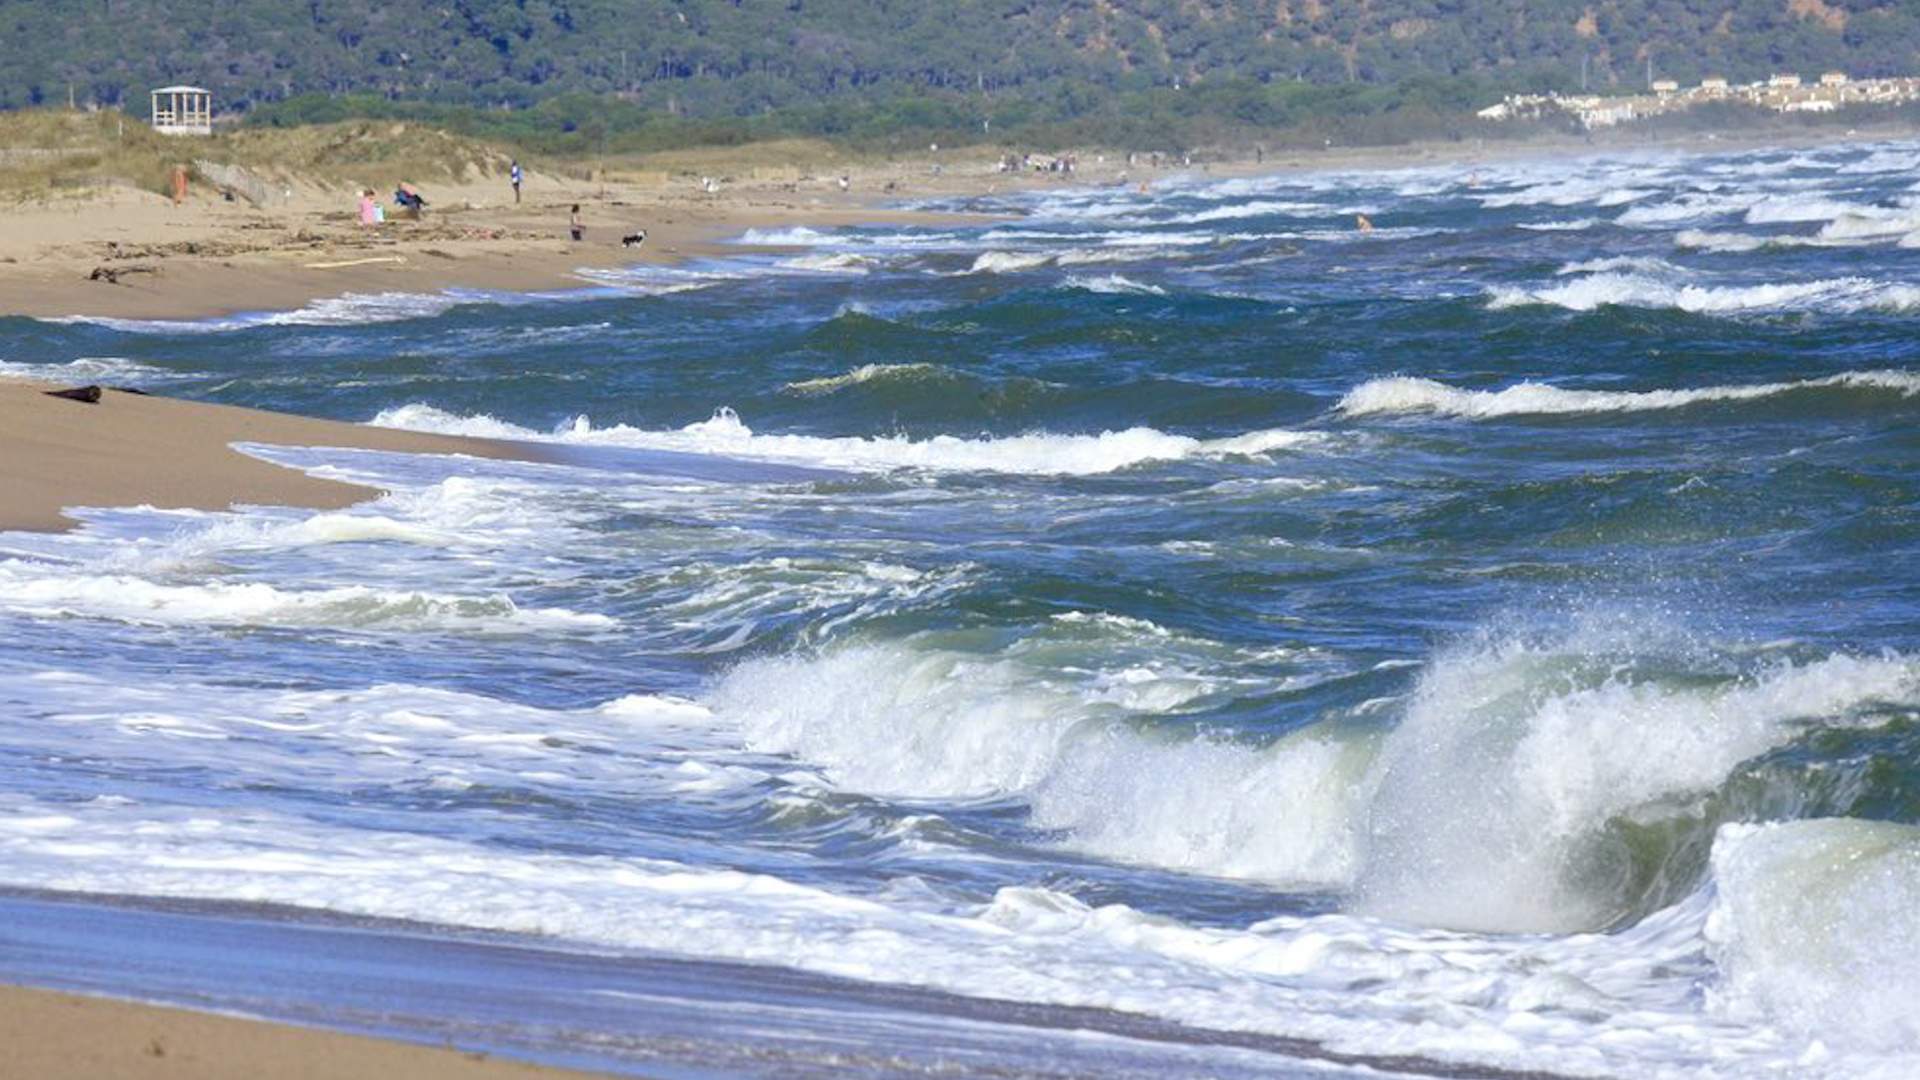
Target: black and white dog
(634,239)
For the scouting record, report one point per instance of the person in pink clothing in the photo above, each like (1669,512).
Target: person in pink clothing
(369,212)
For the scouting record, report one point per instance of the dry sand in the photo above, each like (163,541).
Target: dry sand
(211,257)
(208,257)
(47,1035)
(134,449)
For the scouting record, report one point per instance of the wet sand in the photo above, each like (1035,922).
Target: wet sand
(49,1035)
(134,449)
(615,1012)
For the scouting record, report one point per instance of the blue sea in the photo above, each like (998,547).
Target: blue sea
(1168,618)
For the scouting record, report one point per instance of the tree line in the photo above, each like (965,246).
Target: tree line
(674,71)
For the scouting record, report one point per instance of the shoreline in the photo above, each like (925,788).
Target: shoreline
(53,1034)
(211,259)
(401,989)
(135,449)
(211,262)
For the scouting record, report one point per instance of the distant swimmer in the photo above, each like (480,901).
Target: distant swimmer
(1362,222)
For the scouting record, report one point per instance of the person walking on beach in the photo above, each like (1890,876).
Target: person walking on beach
(513,174)
(574,228)
(179,182)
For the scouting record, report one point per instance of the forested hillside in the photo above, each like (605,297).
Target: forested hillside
(707,59)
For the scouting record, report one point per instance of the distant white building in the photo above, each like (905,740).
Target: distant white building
(1713,85)
(183,110)
(1834,78)
(1606,116)
(1784,82)
(1664,86)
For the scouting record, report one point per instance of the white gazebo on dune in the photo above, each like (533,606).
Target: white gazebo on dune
(183,110)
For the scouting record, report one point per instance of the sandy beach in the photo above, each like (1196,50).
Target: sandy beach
(208,258)
(119,251)
(131,449)
(50,1035)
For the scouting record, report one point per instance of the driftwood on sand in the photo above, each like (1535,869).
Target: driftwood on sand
(339,263)
(111,274)
(89,394)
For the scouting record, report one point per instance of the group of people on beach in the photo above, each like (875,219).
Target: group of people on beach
(1064,163)
(404,197)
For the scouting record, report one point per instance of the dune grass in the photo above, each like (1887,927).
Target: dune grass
(56,153)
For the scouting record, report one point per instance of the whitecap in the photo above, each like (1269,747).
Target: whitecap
(1040,453)
(1113,284)
(1641,290)
(1402,394)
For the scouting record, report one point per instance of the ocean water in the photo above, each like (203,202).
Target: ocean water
(1488,641)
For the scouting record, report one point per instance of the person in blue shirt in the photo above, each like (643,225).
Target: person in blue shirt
(514,175)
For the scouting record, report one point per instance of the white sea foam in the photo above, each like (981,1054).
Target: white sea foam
(1688,207)
(1487,808)
(1565,225)
(1814,927)
(657,280)
(1642,290)
(50,590)
(798,236)
(1722,242)
(93,369)
(1624,1003)
(36,589)
(1045,720)
(1008,262)
(1095,256)
(1400,394)
(865,373)
(1593,191)
(1597,1005)
(1495,794)
(1114,284)
(349,309)
(1256,208)
(830,263)
(724,434)
(1883,161)
(1791,208)
(1871,226)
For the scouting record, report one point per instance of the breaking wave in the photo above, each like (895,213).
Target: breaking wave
(1008,262)
(1641,290)
(47,590)
(1401,394)
(725,435)
(1113,284)
(870,373)
(1493,805)
(1814,928)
